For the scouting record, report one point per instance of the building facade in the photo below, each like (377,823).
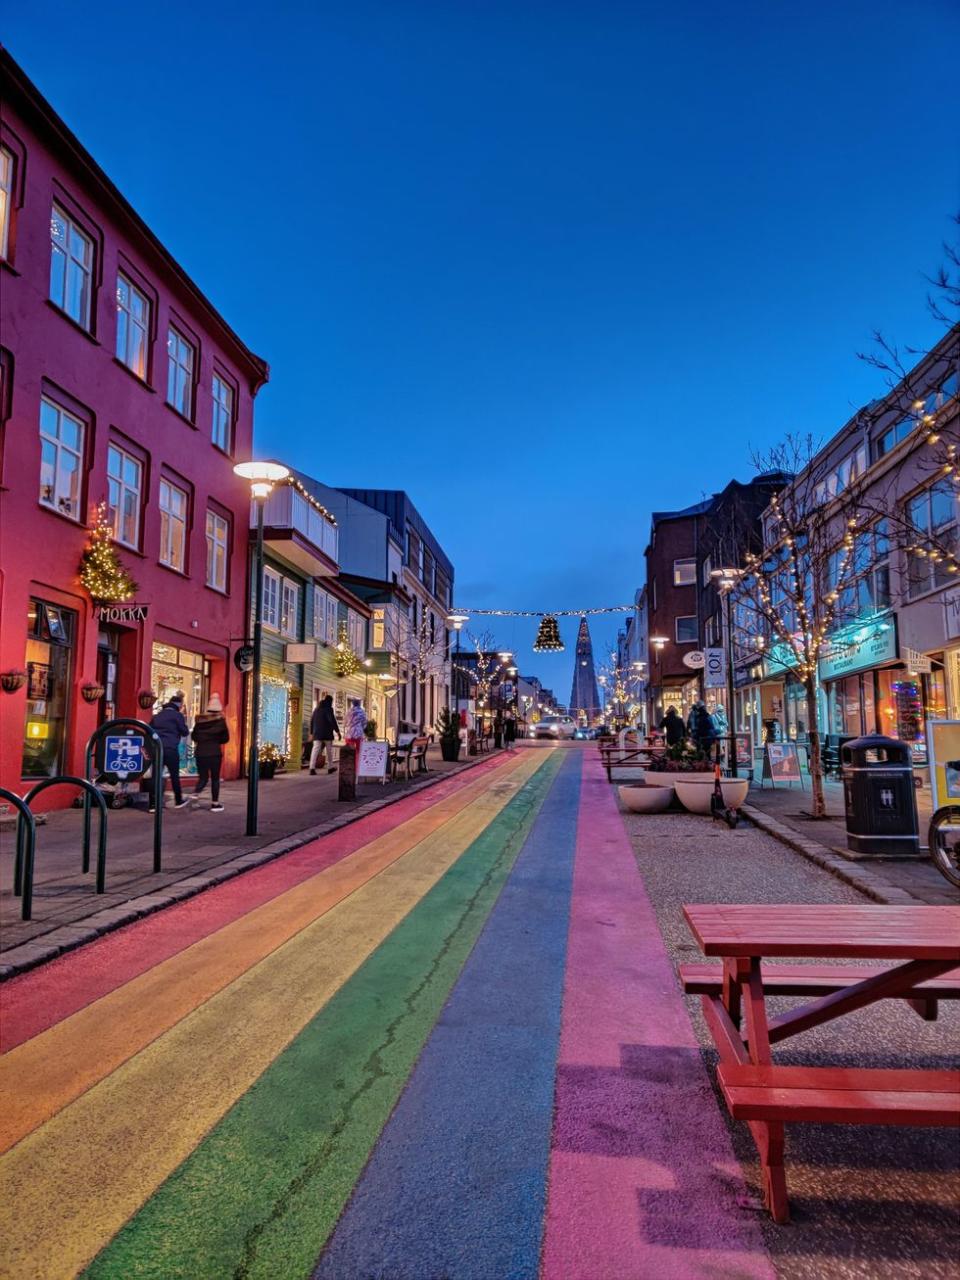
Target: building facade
(125,397)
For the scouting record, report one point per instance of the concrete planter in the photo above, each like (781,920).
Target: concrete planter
(696,793)
(646,799)
(655,779)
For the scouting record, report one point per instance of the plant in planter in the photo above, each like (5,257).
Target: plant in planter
(681,758)
(370,731)
(11,681)
(449,726)
(271,759)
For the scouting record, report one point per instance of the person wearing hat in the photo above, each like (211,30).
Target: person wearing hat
(169,726)
(210,735)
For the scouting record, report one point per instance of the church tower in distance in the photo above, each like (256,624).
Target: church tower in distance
(584,698)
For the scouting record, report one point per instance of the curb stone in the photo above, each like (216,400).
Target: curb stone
(68,937)
(858,877)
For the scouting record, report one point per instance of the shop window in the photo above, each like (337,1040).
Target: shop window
(932,521)
(71,267)
(124,487)
(686,629)
(173,526)
(175,670)
(61,459)
(133,325)
(218,542)
(181,360)
(49,656)
(271,599)
(684,573)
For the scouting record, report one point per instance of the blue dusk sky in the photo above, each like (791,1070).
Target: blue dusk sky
(547,266)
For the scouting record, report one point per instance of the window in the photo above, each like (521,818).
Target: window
(6,199)
(686,629)
(932,515)
(180,373)
(684,573)
(218,541)
(357,633)
(378,629)
(414,550)
(71,267)
(290,608)
(706,571)
(271,599)
(893,435)
(133,322)
(61,459)
(173,526)
(427,575)
(124,487)
(222,433)
(319,613)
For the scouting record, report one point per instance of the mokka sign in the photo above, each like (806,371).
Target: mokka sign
(121,612)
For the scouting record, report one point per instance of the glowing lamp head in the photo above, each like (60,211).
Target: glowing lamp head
(457,620)
(262,476)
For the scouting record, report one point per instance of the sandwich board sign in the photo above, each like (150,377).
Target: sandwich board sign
(781,763)
(373,759)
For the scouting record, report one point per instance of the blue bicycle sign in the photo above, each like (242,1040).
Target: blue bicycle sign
(123,756)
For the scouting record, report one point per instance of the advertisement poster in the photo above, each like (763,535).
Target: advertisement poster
(373,759)
(781,762)
(943,747)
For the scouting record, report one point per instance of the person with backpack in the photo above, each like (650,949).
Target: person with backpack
(210,735)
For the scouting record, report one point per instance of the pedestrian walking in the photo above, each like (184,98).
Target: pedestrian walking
(354,726)
(210,735)
(701,727)
(672,727)
(169,726)
(323,730)
(510,732)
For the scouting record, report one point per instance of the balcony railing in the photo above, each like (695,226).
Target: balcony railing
(286,509)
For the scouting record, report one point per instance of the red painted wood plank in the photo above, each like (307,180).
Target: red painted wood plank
(891,1079)
(824,1106)
(701,978)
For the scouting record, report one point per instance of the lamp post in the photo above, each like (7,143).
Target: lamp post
(658,642)
(457,621)
(726,579)
(262,477)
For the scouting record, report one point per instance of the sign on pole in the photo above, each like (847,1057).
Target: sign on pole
(714,669)
(917,662)
(123,755)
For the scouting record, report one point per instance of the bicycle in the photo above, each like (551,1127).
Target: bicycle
(943,840)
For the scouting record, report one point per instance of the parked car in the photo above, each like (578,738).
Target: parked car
(554,727)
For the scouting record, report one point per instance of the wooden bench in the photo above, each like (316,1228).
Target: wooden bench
(841,1095)
(401,753)
(418,755)
(483,741)
(820,980)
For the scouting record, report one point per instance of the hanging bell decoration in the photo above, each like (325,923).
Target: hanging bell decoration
(548,637)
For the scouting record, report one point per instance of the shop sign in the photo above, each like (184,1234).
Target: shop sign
(782,658)
(917,663)
(243,658)
(858,649)
(714,669)
(951,609)
(694,659)
(121,612)
(300,653)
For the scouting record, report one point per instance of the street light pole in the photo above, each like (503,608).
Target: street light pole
(726,580)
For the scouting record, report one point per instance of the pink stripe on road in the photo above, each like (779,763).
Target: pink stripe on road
(643,1179)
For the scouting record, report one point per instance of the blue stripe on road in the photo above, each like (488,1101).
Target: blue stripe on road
(457,1184)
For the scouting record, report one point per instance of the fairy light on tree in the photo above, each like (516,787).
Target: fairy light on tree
(345,661)
(102,572)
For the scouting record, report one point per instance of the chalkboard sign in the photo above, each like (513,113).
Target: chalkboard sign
(374,758)
(781,763)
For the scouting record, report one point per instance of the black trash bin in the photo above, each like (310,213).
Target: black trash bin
(879,796)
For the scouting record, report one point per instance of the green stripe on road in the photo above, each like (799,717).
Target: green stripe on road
(263,1191)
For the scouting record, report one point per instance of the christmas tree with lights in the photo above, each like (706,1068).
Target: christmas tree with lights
(102,571)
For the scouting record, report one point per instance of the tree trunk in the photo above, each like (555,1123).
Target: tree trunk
(818,807)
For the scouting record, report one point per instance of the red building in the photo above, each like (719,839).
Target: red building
(121,385)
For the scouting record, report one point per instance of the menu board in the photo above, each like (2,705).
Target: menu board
(374,757)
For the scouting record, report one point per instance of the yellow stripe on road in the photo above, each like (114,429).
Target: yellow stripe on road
(71,1184)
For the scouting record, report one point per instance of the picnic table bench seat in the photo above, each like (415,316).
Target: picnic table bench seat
(406,754)
(483,741)
(841,1095)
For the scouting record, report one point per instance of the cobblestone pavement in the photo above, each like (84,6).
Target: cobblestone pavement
(867,1202)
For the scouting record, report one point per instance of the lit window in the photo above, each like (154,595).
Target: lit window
(6,199)
(378,629)
(290,601)
(932,521)
(61,459)
(133,320)
(218,537)
(180,359)
(222,433)
(686,629)
(71,267)
(173,526)
(123,495)
(684,573)
(271,599)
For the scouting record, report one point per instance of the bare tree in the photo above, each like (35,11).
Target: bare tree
(414,646)
(487,666)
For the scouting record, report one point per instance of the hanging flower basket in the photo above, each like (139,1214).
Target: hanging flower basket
(146,698)
(11,681)
(92,692)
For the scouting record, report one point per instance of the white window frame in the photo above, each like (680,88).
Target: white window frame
(170,521)
(118,489)
(378,628)
(7,163)
(319,613)
(129,326)
(270,608)
(289,608)
(67,261)
(356,633)
(60,498)
(218,540)
(691,567)
(221,427)
(684,617)
(333,620)
(178,368)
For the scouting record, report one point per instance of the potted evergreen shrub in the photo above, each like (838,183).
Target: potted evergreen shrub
(271,759)
(449,726)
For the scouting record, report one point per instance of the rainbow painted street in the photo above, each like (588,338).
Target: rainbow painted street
(436,1043)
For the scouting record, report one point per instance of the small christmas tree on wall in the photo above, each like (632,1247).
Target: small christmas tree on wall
(102,571)
(345,661)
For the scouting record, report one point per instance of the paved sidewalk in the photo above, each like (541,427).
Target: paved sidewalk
(200,848)
(784,812)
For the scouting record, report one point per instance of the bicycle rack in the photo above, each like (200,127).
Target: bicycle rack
(89,790)
(26,852)
(156,753)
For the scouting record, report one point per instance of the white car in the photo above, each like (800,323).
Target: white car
(553,727)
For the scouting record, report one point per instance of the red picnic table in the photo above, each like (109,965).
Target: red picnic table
(927,942)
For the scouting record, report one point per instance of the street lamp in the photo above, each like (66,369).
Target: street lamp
(725,579)
(262,476)
(457,621)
